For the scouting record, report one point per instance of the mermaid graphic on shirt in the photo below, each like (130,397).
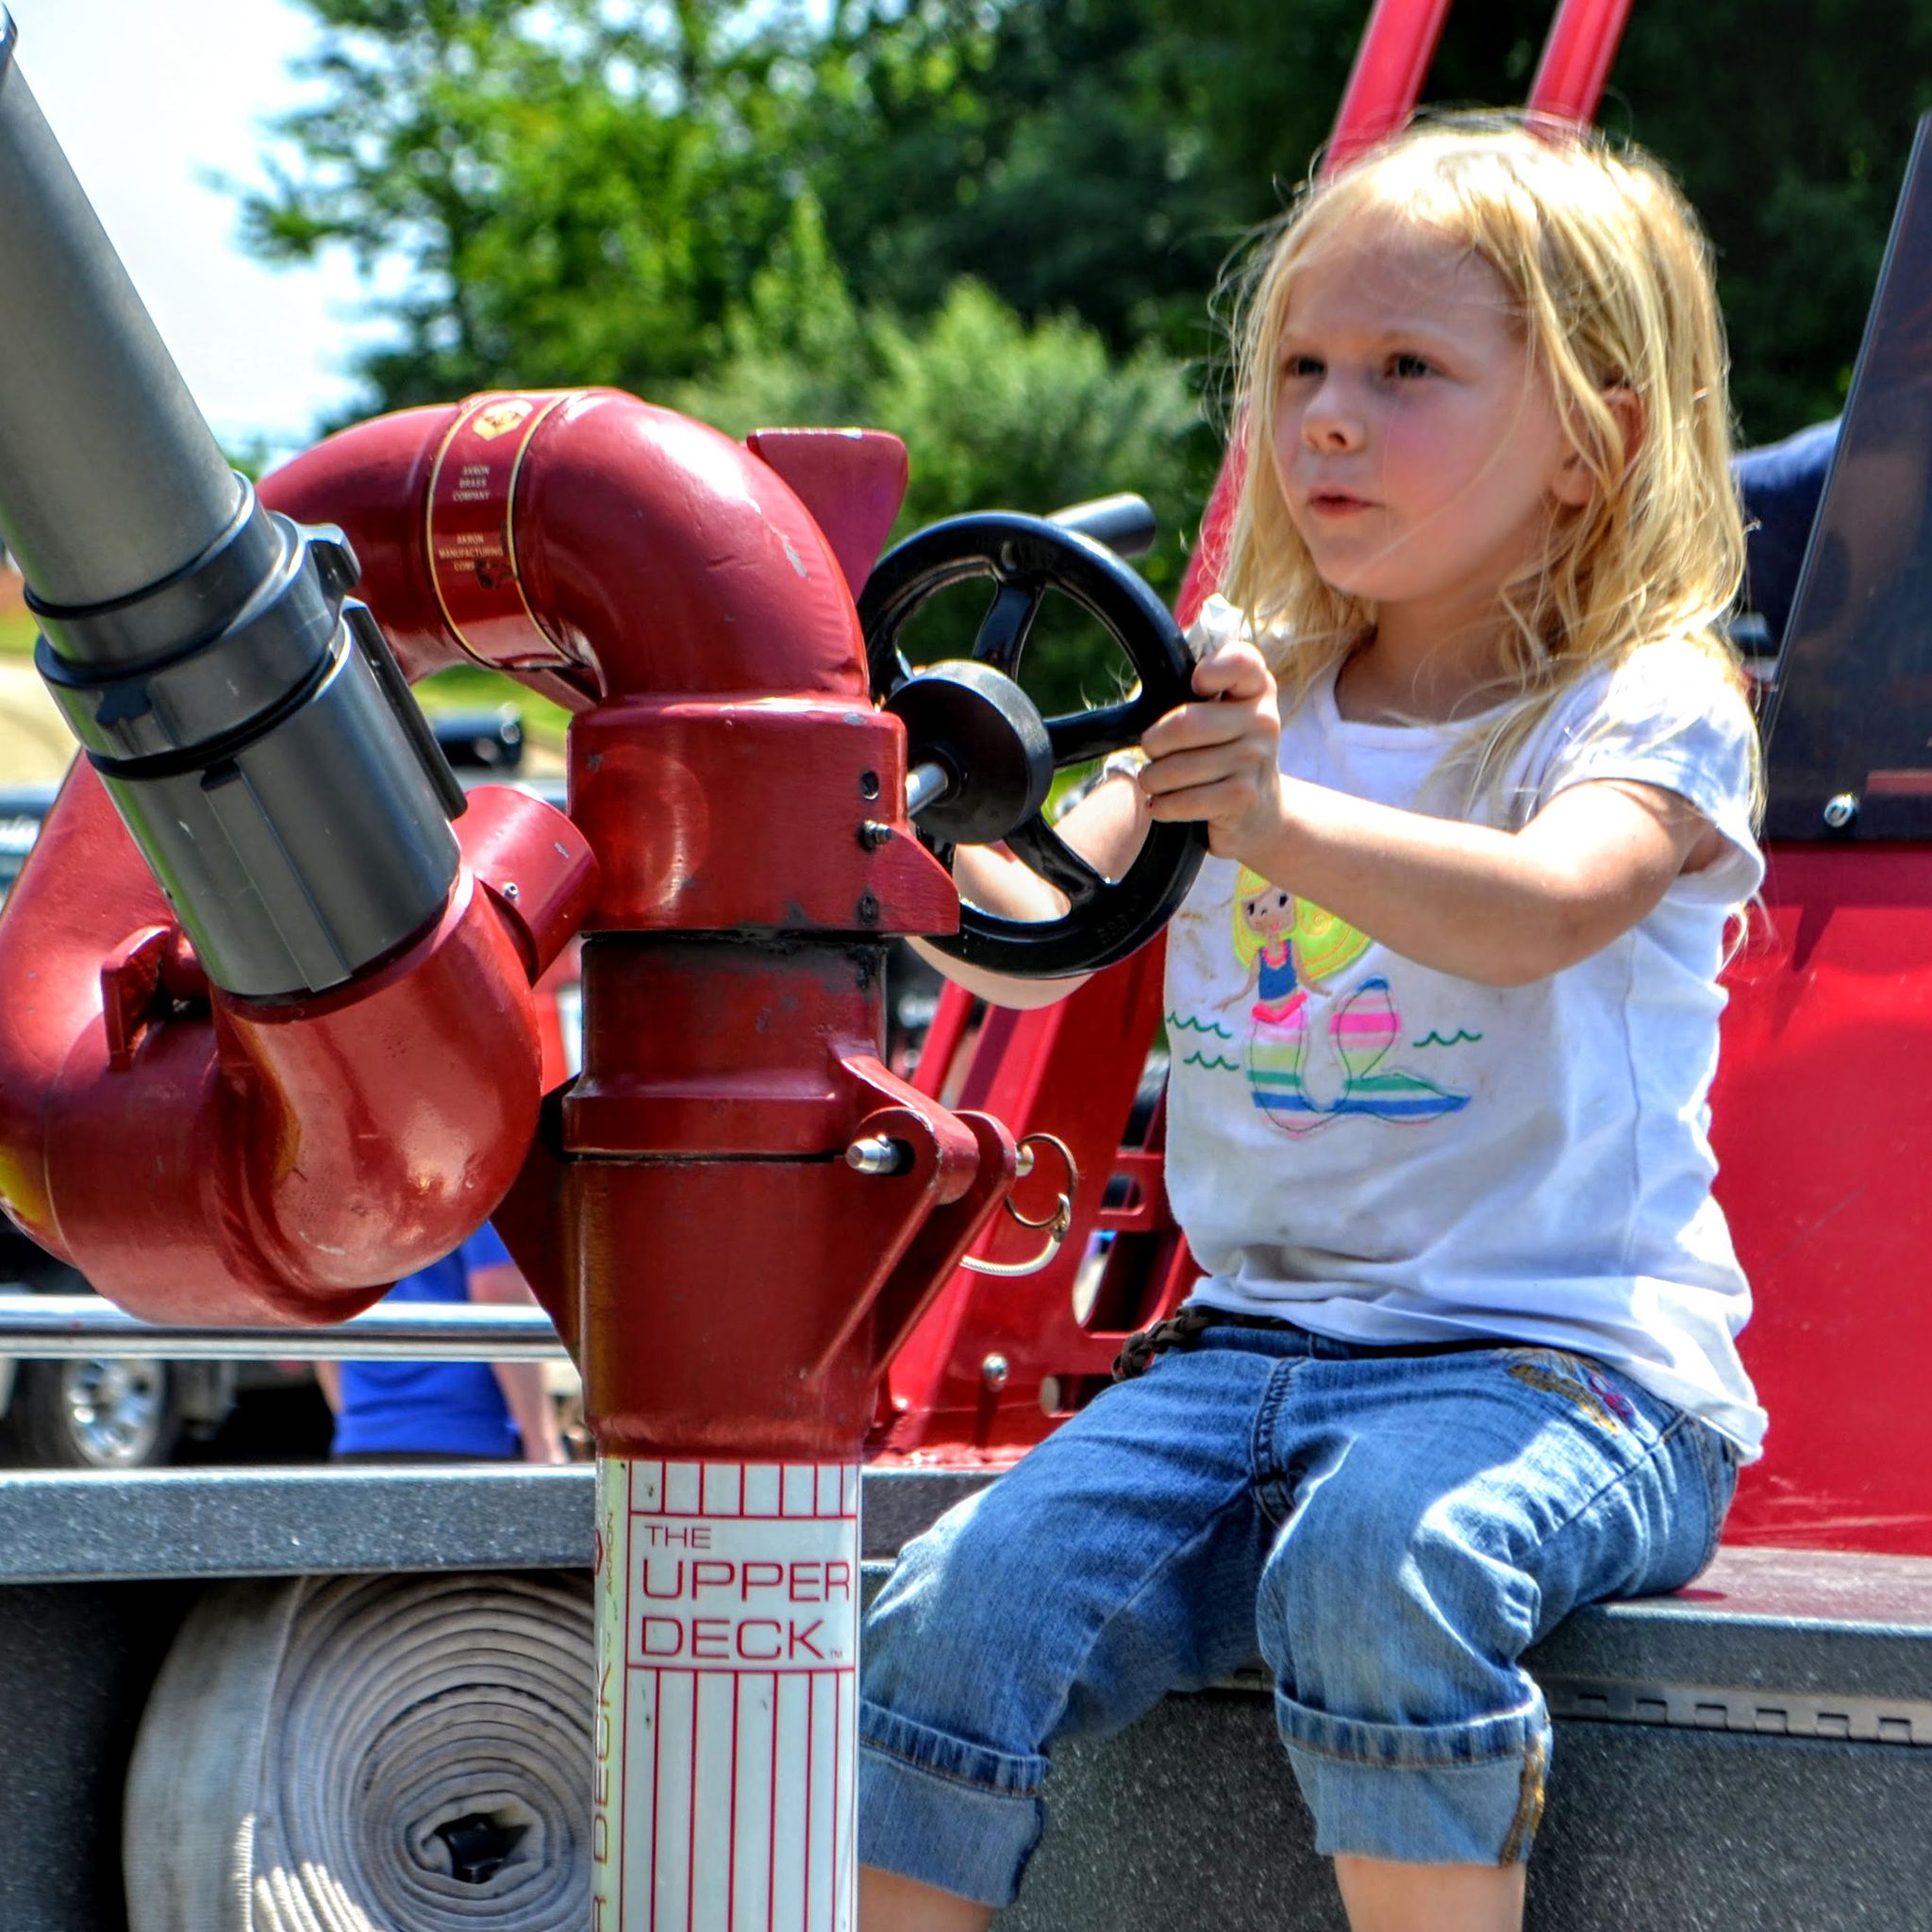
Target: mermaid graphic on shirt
(1303,1076)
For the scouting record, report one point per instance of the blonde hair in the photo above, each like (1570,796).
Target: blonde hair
(1608,275)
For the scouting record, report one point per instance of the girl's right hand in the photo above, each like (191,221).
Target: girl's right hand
(1220,761)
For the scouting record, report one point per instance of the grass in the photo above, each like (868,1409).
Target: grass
(17,634)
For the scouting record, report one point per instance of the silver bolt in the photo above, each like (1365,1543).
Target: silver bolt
(509,888)
(994,1369)
(1840,811)
(875,1154)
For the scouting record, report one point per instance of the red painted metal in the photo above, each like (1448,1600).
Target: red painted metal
(731,1286)
(589,544)
(1051,1336)
(1576,58)
(1203,574)
(686,1211)
(719,814)
(1822,1116)
(558,983)
(207,1158)
(1386,80)
(852,480)
(746,1303)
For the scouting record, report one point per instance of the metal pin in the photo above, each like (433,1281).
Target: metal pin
(875,1154)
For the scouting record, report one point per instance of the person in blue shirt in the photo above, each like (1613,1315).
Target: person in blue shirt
(1781,484)
(445,1410)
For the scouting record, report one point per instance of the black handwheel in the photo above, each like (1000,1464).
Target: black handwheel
(1027,557)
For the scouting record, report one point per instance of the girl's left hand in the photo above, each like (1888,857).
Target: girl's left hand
(1220,761)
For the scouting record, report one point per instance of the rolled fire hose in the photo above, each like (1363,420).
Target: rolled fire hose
(368,1754)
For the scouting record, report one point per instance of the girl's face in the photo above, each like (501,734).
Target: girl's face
(1416,443)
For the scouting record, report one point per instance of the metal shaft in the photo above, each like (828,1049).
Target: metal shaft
(110,479)
(925,784)
(258,743)
(50,1326)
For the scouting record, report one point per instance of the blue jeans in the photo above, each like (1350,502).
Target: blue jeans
(1391,1530)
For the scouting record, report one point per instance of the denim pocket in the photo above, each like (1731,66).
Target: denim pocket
(1579,1381)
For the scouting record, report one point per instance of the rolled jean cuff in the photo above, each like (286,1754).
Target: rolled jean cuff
(1458,1794)
(946,1812)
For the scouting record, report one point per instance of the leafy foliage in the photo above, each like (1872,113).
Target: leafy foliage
(996,414)
(578,192)
(603,190)
(1096,155)
(1105,155)
(1797,183)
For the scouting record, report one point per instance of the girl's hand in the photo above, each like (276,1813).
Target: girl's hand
(1220,761)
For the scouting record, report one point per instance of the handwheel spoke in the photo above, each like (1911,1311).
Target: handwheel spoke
(992,738)
(1056,861)
(1082,735)
(1006,625)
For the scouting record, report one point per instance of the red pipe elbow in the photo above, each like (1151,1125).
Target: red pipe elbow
(201,1157)
(591,545)
(619,557)
(207,1158)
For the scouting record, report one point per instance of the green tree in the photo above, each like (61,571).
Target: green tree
(996,413)
(1105,155)
(1102,157)
(577,192)
(1797,183)
(585,191)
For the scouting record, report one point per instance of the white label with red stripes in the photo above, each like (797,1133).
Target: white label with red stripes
(726,1735)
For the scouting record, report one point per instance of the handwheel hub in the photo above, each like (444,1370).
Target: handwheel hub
(987,736)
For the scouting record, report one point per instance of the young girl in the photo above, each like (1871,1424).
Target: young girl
(1461,1358)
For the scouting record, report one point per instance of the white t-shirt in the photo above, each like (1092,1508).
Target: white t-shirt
(1382,1152)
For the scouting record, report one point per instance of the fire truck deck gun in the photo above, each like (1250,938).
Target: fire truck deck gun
(268,1039)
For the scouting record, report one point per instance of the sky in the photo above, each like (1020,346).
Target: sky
(144,98)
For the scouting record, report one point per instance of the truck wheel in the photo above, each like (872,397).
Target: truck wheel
(105,1413)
